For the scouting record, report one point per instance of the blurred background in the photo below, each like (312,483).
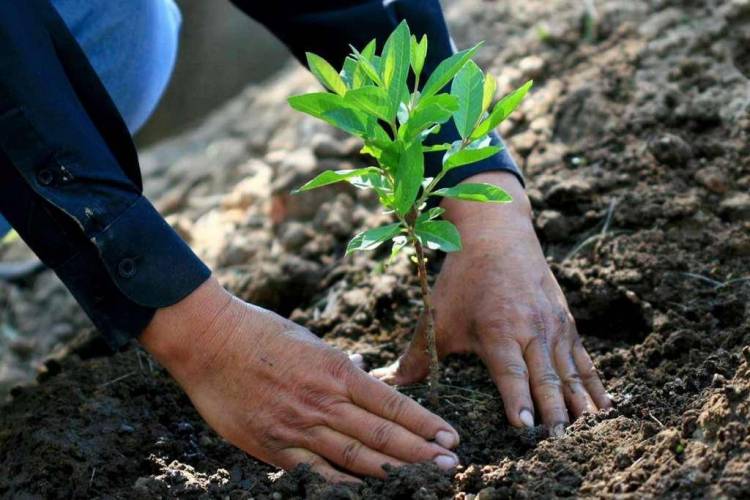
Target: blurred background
(221,51)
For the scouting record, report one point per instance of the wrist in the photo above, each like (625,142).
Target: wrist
(179,335)
(472,214)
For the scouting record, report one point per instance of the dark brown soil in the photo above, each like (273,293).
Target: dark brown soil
(638,162)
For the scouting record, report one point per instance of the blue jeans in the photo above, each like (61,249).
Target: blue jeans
(132,46)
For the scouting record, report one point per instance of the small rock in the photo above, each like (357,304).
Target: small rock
(531,66)
(736,207)
(671,150)
(553,225)
(712,179)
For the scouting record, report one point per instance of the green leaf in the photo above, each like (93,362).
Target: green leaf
(352,73)
(429,111)
(488,94)
(332,109)
(371,100)
(438,235)
(468,155)
(446,70)
(502,110)
(334,176)
(418,54)
(481,192)
(365,60)
(395,65)
(436,147)
(408,178)
(430,214)
(373,238)
(326,73)
(467,88)
(399,242)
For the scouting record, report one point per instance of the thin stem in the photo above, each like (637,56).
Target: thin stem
(429,322)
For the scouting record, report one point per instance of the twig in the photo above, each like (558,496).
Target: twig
(656,419)
(118,379)
(91,480)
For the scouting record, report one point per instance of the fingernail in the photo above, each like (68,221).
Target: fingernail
(526,417)
(558,430)
(445,462)
(355,358)
(446,439)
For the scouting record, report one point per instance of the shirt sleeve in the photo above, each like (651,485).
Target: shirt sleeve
(328,27)
(70,182)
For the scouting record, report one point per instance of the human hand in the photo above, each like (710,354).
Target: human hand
(278,392)
(498,298)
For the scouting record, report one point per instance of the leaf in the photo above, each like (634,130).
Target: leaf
(395,65)
(418,54)
(481,192)
(365,61)
(332,109)
(371,100)
(399,242)
(502,110)
(438,235)
(488,94)
(373,238)
(326,73)
(432,213)
(468,155)
(428,111)
(332,177)
(446,70)
(353,74)
(436,147)
(408,178)
(467,89)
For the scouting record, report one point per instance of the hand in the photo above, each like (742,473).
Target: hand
(278,392)
(498,298)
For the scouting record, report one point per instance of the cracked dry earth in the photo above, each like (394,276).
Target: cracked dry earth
(635,145)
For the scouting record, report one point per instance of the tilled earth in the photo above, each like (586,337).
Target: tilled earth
(635,145)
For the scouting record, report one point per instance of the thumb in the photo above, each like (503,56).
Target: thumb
(412,366)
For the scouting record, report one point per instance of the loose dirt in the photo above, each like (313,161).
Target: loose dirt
(636,150)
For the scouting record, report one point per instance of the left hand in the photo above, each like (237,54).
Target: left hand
(498,298)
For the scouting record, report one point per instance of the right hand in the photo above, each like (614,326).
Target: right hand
(282,395)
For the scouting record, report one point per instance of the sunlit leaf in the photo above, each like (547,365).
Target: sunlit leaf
(438,235)
(371,100)
(373,238)
(488,94)
(429,111)
(408,178)
(334,176)
(326,73)
(502,110)
(468,155)
(418,53)
(467,88)
(395,65)
(446,70)
(481,192)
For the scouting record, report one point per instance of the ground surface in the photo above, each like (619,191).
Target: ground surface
(638,162)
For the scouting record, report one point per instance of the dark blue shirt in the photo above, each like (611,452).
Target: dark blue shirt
(70,183)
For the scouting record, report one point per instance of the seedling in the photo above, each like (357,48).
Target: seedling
(370,98)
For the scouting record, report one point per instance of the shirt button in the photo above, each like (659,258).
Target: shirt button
(45,176)
(126,268)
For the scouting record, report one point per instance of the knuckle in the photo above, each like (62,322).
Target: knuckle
(572,380)
(516,371)
(339,367)
(382,435)
(550,381)
(350,454)
(394,405)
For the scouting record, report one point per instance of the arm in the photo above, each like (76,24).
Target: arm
(70,185)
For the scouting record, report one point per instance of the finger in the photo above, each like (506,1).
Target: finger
(385,436)
(589,376)
(504,360)
(545,385)
(348,453)
(357,360)
(291,457)
(412,366)
(382,400)
(576,395)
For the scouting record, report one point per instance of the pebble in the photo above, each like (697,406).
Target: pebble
(736,207)
(670,149)
(713,179)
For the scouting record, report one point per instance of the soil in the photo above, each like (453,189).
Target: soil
(635,145)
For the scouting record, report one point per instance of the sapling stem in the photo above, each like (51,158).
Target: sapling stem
(429,329)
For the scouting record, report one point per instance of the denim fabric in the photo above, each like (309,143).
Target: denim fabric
(132,46)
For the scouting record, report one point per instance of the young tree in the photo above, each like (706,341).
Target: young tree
(371,99)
